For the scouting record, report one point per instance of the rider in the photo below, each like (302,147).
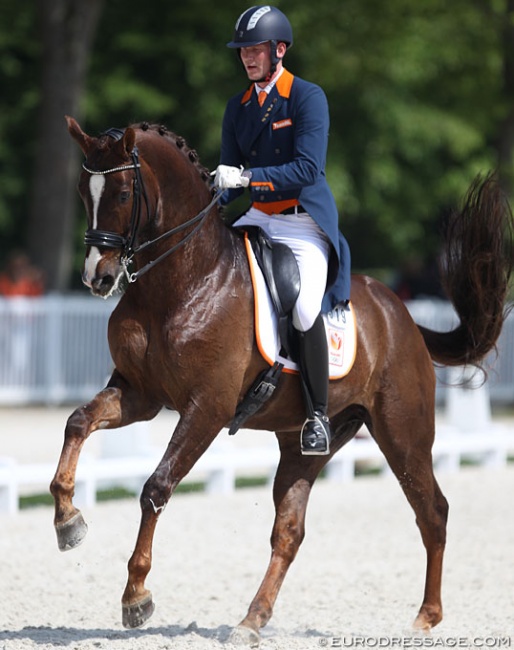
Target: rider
(278,129)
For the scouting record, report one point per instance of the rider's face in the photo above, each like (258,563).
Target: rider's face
(256,60)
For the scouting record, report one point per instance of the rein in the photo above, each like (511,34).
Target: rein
(107,239)
(198,220)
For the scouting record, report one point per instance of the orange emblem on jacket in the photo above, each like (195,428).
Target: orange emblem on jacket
(282,123)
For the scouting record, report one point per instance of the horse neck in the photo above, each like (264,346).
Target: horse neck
(181,194)
(203,252)
(193,273)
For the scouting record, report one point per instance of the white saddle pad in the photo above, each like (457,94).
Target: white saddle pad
(339,324)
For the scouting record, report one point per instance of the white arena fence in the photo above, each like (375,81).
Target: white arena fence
(219,467)
(53,349)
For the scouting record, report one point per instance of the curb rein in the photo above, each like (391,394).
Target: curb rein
(107,239)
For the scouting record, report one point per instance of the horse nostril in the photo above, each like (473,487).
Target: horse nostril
(103,284)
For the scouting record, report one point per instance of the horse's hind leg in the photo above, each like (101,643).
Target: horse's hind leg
(293,481)
(407,446)
(115,406)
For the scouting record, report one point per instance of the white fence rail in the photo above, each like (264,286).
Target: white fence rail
(440,316)
(219,466)
(53,350)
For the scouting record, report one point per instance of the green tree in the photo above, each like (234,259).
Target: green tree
(421,98)
(415,95)
(67,28)
(19,73)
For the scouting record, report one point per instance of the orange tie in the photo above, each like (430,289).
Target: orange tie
(262,97)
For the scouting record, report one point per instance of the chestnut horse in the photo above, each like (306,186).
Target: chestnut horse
(182,337)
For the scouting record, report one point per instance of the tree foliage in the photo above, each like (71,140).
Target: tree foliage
(421,99)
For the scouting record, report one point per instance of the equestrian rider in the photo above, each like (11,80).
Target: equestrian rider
(278,130)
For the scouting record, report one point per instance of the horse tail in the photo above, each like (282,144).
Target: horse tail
(476,267)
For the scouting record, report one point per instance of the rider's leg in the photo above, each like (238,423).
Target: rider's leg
(316,432)
(311,250)
(312,257)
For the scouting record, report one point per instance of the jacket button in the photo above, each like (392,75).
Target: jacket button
(253,153)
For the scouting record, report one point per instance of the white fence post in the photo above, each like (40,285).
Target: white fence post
(468,431)
(8,488)
(468,401)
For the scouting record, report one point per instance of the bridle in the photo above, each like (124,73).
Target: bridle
(128,246)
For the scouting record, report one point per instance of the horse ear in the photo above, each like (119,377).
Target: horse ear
(78,135)
(129,139)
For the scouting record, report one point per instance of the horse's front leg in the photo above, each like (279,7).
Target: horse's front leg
(115,406)
(193,434)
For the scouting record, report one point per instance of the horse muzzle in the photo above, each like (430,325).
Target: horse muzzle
(102,271)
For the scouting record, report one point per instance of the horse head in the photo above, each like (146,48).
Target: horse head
(135,203)
(116,203)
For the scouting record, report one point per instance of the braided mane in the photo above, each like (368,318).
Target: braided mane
(180,142)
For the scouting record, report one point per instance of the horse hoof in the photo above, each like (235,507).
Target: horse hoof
(242,635)
(137,614)
(421,625)
(427,618)
(71,533)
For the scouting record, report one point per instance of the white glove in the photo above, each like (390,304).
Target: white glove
(227,177)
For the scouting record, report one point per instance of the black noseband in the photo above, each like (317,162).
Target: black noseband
(104,239)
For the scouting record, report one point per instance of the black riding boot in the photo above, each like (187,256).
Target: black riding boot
(316,431)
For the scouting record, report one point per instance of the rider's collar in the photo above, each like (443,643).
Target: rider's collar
(267,89)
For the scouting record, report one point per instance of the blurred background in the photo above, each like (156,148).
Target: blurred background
(421,98)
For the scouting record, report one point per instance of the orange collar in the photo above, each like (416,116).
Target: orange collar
(283,85)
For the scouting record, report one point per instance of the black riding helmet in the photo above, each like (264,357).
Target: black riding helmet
(260,24)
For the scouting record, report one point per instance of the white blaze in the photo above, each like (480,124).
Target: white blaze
(90,265)
(96,188)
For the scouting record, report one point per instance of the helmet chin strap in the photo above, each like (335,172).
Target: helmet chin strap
(274,62)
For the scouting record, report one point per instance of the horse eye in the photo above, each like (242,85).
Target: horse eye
(124,196)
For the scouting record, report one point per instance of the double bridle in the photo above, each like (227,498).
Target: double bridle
(128,246)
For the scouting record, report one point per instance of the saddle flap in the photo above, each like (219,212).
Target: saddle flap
(279,267)
(286,275)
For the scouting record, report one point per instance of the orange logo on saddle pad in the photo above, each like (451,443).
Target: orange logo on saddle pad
(336,341)
(282,123)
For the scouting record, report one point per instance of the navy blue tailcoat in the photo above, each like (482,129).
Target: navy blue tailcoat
(284,143)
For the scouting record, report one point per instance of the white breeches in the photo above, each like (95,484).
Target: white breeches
(311,249)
